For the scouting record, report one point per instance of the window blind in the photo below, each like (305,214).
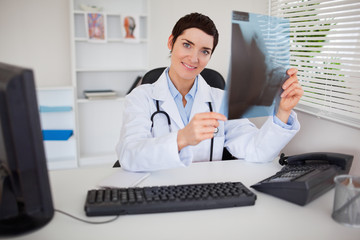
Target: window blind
(325,47)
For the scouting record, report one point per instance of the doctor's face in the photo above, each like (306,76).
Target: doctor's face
(190,54)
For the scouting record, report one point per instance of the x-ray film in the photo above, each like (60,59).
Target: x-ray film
(260,52)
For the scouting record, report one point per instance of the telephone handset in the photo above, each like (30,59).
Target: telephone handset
(305,177)
(343,161)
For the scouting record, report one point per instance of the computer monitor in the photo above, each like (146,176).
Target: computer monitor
(25,196)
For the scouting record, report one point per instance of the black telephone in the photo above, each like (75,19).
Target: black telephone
(306,176)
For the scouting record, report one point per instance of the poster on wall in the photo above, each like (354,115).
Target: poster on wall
(131,28)
(96,29)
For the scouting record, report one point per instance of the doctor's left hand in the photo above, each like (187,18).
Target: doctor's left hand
(201,127)
(290,96)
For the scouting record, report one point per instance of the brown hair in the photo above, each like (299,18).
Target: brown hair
(196,20)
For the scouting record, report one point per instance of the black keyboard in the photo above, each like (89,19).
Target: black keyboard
(119,201)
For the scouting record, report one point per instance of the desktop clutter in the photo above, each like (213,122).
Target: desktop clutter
(302,179)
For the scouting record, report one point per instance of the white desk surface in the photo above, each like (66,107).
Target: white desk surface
(270,218)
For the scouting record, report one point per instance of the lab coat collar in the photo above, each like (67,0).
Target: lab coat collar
(167,103)
(161,92)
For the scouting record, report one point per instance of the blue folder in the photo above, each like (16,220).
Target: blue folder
(56,135)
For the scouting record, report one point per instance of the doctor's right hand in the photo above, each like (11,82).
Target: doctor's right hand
(202,126)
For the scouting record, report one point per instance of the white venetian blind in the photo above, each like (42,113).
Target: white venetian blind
(325,47)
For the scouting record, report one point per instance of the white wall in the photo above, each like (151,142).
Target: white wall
(323,135)
(35,33)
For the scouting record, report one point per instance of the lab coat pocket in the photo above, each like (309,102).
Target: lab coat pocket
(218,147)
(221,130)
(219,140)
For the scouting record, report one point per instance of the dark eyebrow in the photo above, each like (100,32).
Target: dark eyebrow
(191,43)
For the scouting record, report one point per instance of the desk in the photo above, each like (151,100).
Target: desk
(270,218)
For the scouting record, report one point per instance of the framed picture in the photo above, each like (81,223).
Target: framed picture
(96,29)
(130,28)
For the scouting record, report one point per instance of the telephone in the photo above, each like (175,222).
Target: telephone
(306,176)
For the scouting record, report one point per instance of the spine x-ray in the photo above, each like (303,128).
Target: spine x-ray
(260,52)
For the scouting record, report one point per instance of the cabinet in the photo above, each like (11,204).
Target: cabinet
(110,64)
(56,107)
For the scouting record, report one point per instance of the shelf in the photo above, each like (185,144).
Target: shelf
(108,13)
(109,56)
(61,154)
(84,100)
(60,88)
(58,96)
(113,63)
(119,81)
(56,111)
(100,126)
(113,25)
(114,40)
(62,163)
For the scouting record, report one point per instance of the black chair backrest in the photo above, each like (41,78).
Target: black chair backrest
(212,77)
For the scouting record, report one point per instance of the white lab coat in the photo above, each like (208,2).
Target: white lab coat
(140,149)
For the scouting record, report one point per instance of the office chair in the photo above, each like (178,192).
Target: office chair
(212,77)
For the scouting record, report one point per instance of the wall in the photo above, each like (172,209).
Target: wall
(35,34)
(323,135)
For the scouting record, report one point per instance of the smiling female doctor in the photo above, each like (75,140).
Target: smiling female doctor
(182,132)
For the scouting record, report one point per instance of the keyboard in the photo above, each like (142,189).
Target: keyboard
(173,198)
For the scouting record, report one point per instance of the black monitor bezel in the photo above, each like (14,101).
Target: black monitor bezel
(26,184)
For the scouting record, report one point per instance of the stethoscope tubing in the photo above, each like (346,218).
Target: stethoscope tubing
(169,124)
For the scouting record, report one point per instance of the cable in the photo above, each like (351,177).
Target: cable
(86,221)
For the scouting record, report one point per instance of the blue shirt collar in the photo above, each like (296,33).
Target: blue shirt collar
(174,92)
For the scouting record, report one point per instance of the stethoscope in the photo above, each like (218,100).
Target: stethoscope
(169,124)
